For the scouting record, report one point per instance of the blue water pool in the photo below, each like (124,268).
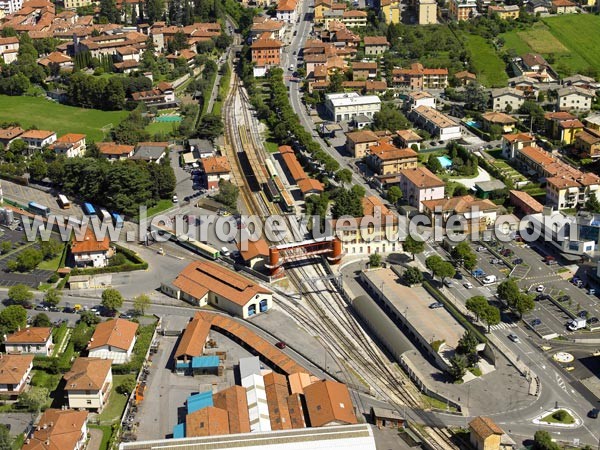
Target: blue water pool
(444,161)
(473,123)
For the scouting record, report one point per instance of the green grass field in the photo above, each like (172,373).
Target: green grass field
(48,115)
(570,42)
(162,127)
(489,66)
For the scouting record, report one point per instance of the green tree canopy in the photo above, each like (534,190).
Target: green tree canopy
(389,118)
(467,344)
(12,318)
(508,291)
(458,367)
(491,316)
(20,294)
(42,320)
(464,253)
(127,385)
(141,303)
(412,275)
(112,299)
(52,297)
(394,194)
(374,260)
(413,246)
(50,248)
(434,164)
(34,399)
(477,305)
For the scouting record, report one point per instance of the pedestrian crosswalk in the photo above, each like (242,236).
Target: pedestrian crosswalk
(503,326)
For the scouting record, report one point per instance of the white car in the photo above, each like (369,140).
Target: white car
(540,288)
(468,285)
(513,337)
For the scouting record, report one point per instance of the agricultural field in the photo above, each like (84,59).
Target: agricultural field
(48,115)
(569,42)
(490,68)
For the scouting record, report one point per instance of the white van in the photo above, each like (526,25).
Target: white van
(490,279)
(225,251)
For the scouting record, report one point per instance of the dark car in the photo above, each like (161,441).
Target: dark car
(458,276)
(518,261)
(536,322)
(592,320)
(126,316)
(541,297)
(108,313)
(436,305)
(281,345)
(583,314)
(68,310)
(593,414)
(564,298)
(54,308)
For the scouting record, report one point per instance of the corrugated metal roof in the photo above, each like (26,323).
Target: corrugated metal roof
(199,362)
(179,431)
(199,401)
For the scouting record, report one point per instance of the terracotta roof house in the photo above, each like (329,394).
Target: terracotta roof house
(328,403)
(15,373)
(209,421)
(216,168)
(193,340)
(276,387)
(88,383)
(91,251)
(419,185)
(465,77)
(112,151)
(511,143)
(504,121)
(358,142)
(59,429)
(234,401)
(36,340)
(71,145)
(478,213)
(385,158)
(7,135)
(255,253)
(37,139)
(114,340)
(201,283)
(485,434)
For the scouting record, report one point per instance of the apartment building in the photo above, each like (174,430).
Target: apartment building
(15,373)
(90,251)
(504,12)
(389,11)
(587,143)
(573,98)
(418,78)
(512,143)
(363,70)
(71,145)
(359,142)
(286,11)
(63,429)
(478,214)
(409,139)
(346,106)
(114,152)
(462,9)
(420,98)
(216,168)
(507,99)
(562,126)
(385,158)
(9,47)
(375,45)
(10,6)
(427,12)
(162,96)
(88,383)
(266,53)
(420,184)
(436,123)
(38,139)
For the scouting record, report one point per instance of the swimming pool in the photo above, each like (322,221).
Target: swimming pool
(444,161)
(168,118)
(473,123)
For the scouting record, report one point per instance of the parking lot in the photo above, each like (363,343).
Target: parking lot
(19,243)
(24,194)
(166,393)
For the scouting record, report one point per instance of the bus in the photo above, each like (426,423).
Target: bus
(200,248)
(88,209)
(36,208)
(104,215)
(64,202)
(117,219)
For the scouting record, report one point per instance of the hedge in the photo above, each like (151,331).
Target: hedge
(435,293)
(140,348)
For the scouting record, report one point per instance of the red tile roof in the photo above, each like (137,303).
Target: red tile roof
(118,333)
(58,429)
(31,335)
(193,339)
(328,402)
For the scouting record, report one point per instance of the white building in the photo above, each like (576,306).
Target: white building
(9,47)
(71,145)
(346,106)
(420,184)
(507,99)
(420,98)
(573,98)
(35,340)
(258,409)
(202,283)
(15,371)
(286,11)
(88,383)
(114,340)
(37,139)
(90,251)
(436,123)
(10,6)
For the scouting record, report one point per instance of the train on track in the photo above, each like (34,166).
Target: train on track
(275,190)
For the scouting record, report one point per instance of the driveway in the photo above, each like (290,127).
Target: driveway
(483,175)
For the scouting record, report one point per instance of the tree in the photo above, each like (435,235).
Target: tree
(412,275)
(126,386)
(344,176)
(535,112)
(210,127)
(6,246)
(52,297)
(179,42)
(477,305)
(467,344)
(108,10)
(491,316)
(154,10)
(592,205)
(445,270)
(508,291)
(141,303)
(476,98)
(42,320)
(5,439)
(413,246)
(112,299)
(458,367)
(432,262)
(34,399)
(13,317)
(374,260)
(394,194)
(389,118)
(28,260)
(463,252)
(50,248)
(20,294)
(347,203)
(228,194)
(524,304)
(89,318)
(38,169)
(543,441)
(434,164)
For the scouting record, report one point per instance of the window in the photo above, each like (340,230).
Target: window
(88,402)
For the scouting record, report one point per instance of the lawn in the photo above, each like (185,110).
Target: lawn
(106,434)
(162,127)
(48,115)
(555,417)
(113,411)
(51,264)
(488,65)
(159,207)
(44,379)
(570,42)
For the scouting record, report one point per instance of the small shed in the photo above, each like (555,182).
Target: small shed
(79,282)
(205,365)
(483,189)
(386,418)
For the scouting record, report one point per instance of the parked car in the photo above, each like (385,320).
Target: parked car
(540,297)
(126,316)
(583,314)
(513,337)
(468,285)
(458,276)
(564,298)
(593,414)
(481,249)
(68,310)
(536,322)
(436,305)
(448,282)
(540,288)
(281,345)
(495,261)
(518,261)
(477,273)
(592,320)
